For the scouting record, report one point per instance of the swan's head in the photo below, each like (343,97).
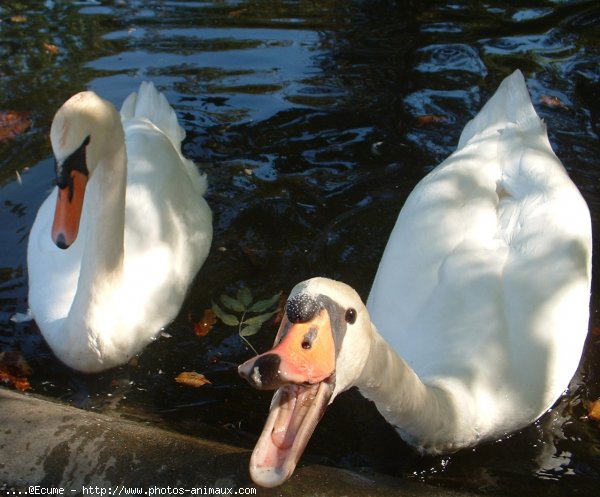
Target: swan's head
(320,350)
(84,130)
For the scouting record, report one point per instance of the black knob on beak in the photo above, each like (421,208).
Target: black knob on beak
(301,308)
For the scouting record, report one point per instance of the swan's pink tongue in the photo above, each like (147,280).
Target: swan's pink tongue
(301,366)
(286,425)
(295,412)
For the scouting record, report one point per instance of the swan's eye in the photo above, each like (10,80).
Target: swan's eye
(350,316)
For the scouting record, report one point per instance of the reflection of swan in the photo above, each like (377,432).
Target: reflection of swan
(483,290)
(144,229)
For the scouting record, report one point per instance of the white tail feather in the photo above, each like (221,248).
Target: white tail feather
(510,104)
(148,103)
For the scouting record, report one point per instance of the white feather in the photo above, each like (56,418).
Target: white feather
(479,309)
(145,231)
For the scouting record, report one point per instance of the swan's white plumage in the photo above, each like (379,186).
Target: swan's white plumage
(145,231)
(478,313)
(483,288)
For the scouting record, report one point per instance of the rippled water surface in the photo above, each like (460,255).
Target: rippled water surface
(313,121)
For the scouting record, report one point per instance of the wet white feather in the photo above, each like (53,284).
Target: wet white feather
(479,310)
(145,231)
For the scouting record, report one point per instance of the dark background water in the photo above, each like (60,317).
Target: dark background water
(307,117)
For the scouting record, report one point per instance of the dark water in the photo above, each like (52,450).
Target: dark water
(307,118)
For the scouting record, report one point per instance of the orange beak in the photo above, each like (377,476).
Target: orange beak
(301,367)
(304,353)
(307,349)
(69,205)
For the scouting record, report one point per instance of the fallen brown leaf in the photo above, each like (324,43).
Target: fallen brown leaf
(429,119)
(14,369)
(13,123)
(237,13)
(192,379)
(50,48)
(594,410)
(203,327)
(553,102)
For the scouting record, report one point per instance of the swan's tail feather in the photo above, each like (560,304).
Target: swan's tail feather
(148,103)
(511,104)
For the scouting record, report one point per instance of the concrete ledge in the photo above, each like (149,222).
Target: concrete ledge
(46,446)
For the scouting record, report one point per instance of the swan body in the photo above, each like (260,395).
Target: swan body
(116,244)
(478,313)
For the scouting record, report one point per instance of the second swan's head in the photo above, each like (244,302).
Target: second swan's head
(320,349)
(85,130)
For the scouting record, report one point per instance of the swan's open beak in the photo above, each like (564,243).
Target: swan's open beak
(69,204)
(301,367)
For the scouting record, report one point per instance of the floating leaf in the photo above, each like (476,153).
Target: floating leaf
(203,327)
(236,13)
(228,319)
(429,119)
(232,304)
(192,379)
(50,48)
(594,410)
(248,331)
(241,305)
(260,319)
(263,305)
(13,123)
(551,101)
(244,296)
(14,369)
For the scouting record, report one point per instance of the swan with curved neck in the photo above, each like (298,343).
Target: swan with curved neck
(478,313)
(116,244)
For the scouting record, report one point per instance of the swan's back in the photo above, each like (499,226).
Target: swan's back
(484,284)
(168,222)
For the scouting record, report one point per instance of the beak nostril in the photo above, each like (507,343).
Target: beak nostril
(309,338)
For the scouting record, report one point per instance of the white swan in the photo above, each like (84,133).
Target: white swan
(478,312)
(144,229)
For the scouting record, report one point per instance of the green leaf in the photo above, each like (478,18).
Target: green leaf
(248,331)
(258,320)
(263,305)
(244,296)
(232,304)
(228,319)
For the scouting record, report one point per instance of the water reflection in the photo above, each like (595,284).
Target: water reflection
(309,119)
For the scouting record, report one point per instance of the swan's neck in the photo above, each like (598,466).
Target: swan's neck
(418,411)
(102,260)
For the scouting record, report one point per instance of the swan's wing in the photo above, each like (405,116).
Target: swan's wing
(168,224)
(486,275)
(148,104)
